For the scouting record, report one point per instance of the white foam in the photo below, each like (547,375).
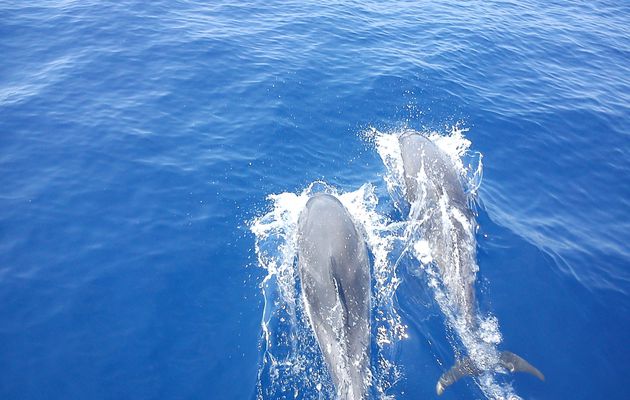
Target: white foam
(291,356)
(423,251)
(288,339)
(479,340)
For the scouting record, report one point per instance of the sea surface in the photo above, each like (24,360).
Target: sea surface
(146,147)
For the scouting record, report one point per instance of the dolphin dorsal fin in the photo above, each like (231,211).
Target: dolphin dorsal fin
(341,294)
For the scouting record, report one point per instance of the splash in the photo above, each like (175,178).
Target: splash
(478,338)
(292,365)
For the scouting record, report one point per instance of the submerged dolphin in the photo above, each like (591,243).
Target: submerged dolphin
(434,190)
(335,278)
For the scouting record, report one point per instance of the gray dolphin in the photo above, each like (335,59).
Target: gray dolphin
(434,190)
(335,278)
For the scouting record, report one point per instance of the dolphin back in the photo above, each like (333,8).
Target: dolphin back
(335,279)
(433,185)
(423,159)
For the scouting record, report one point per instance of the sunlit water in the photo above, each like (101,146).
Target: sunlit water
(140,142)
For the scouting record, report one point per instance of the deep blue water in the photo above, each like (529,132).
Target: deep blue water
(138,140)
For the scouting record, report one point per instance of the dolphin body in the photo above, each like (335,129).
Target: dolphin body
(335,278)
(439,205)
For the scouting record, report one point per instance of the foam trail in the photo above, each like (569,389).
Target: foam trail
(292,365)
(480,338)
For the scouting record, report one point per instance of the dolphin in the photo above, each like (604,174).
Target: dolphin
(335,278)
(439,204)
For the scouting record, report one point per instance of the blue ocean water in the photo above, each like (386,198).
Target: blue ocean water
(138,141)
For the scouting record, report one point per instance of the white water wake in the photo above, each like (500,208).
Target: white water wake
(479,340)
(292,365)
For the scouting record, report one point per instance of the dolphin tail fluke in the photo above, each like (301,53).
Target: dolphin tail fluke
(515,363)
(463,367)
(466,367)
